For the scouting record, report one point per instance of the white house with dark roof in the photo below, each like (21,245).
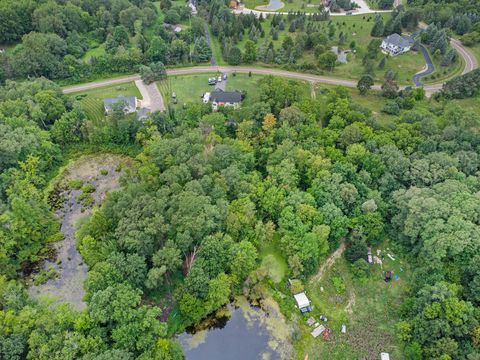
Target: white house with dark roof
(396,44)
(130,105)
(225,98)
(129,102)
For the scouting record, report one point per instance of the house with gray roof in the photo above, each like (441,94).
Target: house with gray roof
(225,98)
(129,102)
(396,44)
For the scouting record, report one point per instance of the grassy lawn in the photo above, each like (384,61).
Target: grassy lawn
(94,52)
(356,28)
(368,307)
(190,88)
(308,6)
(92,100)
(274,262)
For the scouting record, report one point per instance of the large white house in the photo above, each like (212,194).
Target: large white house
(396,44)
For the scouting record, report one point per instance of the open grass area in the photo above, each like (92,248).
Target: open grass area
(94,52)
(92,100)
(369,308)
(190,88)
(356,29)
(274,262)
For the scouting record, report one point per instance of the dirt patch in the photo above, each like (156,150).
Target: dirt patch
(82,185)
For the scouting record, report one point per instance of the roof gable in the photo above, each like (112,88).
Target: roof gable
(226,96)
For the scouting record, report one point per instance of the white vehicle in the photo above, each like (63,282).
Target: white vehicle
(219,79)
(206,98)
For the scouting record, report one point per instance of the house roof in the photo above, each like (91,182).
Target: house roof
(225,96)
(302,300)
(131,101)
(399,41)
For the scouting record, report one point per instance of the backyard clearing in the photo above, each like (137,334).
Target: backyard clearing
(368,307)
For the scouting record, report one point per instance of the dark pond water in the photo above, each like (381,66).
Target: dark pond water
(244,335)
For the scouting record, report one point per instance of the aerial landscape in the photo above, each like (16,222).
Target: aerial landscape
(240,179)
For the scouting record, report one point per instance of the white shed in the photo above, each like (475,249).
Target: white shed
(302,300)
(384,356)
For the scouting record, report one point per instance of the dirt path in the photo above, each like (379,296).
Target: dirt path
(71,270)
(329,262)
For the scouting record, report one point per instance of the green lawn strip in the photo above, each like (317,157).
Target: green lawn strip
(92,100)
(374,312)
(94,52)
(216,49)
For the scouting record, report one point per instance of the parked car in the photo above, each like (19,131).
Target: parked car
(212,81)
(174,95)
(219,78)
(225,76)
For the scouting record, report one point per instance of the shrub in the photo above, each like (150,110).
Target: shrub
(88,188)
(75,184)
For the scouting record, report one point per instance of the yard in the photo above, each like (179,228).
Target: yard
(92,100)
(308,6)
(357,29)
(369,308)
(190,88)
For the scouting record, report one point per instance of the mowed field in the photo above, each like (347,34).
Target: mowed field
(190,88)
(92,100)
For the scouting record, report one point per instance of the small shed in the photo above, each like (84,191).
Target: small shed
(302,302)
(384,356)
(318,331)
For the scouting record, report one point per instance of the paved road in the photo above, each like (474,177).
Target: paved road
(430,67)
(471,62)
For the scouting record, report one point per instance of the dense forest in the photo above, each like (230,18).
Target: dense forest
(207,191)
(56,37)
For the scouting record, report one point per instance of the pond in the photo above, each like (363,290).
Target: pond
(240,332)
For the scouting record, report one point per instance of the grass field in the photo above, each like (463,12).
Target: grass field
(356,28)
(368,307)
(92,100)
(190,88)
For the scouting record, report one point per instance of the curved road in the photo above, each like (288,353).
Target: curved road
(430,67)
